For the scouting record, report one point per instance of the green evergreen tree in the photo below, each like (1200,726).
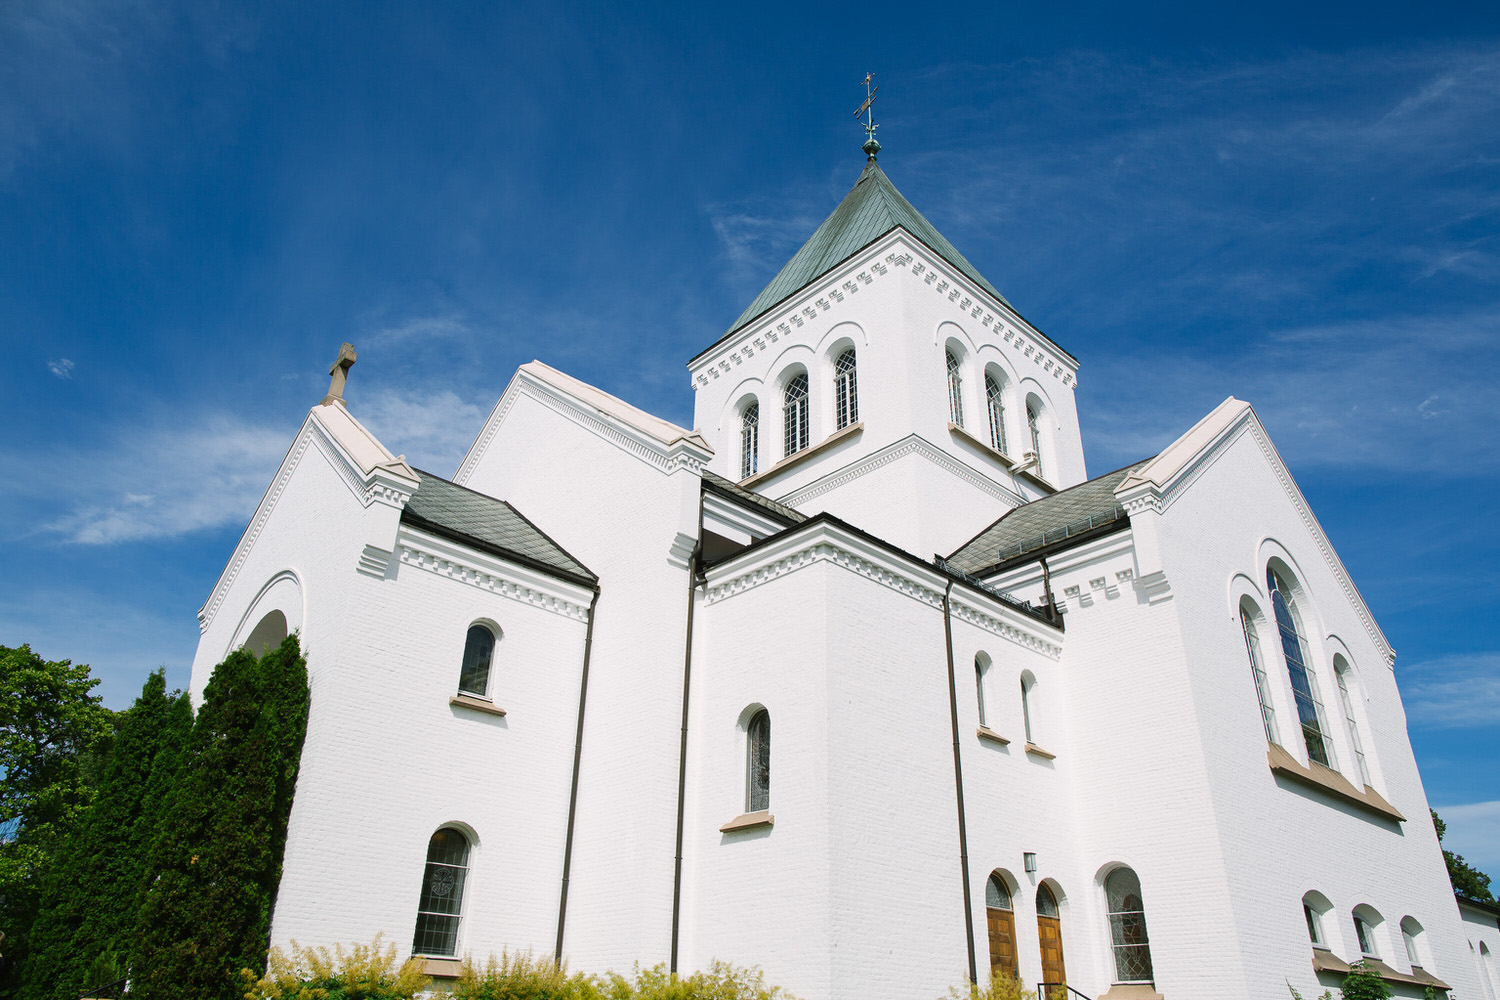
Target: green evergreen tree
(95,888)
(216,863)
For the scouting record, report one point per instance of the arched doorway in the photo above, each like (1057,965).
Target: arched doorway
(1049,933)
(1001,920)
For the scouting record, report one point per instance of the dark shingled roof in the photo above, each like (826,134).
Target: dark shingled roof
(754,499)
(873,208)
(489,525)
(1046,522)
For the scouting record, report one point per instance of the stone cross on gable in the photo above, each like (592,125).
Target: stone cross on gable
(340,374)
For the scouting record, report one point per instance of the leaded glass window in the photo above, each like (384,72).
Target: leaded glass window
(996,405)
(750,441)
(758,759)
(1341,672)
(1127,927)
(441,903)
(845,390)
(955,391)
(997,893)
(1033,419)
(1304,678)
(479,652)
(1046,903)
(1257,668)
(794,415)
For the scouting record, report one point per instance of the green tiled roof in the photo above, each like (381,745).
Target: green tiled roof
(873,208)
(1046,522)
(487,524)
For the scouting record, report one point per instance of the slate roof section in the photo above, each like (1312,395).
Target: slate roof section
(482,522)
(1046,523)
(870,210)
(765,504)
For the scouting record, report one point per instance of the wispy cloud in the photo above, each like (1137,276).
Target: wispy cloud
(433,429)
(1452,692)
(415,330)
(61,367)
(1474,832)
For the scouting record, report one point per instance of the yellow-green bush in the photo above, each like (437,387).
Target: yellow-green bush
(522,977)
(1002,986)
(721,981)
(366,972)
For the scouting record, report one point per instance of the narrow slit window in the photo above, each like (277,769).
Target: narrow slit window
(750,441)
(1033,425)
(1304,679)
(1026,708)
(955,391)
(845,390)
(996,405)
(979,666)
(758,762)
(479,654)
(794,416)
(1257,668)
(441,905)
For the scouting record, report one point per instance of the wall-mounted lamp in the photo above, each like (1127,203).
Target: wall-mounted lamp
(1030,859)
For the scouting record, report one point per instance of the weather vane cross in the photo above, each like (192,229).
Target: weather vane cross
(868,110)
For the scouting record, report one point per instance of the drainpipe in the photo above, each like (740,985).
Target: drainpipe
(958,784)
(682,747)
(583,694)
(1052,614)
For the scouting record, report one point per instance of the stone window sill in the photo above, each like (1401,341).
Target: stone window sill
(477,704)
(1326,961)
(986,733)
(748,821)
(439,968)
(1037,751)
(983,446)
(804,454)
(1330,782)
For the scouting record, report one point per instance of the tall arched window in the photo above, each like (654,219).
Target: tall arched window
(441,903)
(1127,927)
(479,652)
(750,441)
(1304,679)
(758,762)
(1000,920)
(996,405)
(794,415)
(1411,934)
(845,390)
(955,391)
(1257,668)
(981,664)
(1366,920)
(1033,419)
(1028,689)
(1342,672)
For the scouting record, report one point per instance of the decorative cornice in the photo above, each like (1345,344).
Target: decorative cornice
(896,250)
(425,552)
(912,444)
(669,458)
(831,545)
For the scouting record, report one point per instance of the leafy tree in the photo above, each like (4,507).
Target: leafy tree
(216,862)
(93,893)
(1467,880)
(52,732)
(1362,982)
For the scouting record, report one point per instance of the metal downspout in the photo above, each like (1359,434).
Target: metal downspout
(687,680)
(583,694)
(958,784)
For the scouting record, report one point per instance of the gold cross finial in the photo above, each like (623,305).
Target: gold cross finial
(871,147)
(339,373)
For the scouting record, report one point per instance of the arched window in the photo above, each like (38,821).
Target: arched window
(1314,906)
(1033,418)
(1127,927)
(268,633)
(1342,672)
(794,415)
(750,441)
(996,404)
(441,904)
(981,664)
(1411,933)
(1257,668)
(955,391)
(1028,688)
(845,391)
(1304,679)
(479,652)
(758,762)
(1001,923)
(1366,920)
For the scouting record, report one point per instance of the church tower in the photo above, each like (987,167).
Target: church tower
(880,377)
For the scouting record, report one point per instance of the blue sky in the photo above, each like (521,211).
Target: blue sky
(1298,205)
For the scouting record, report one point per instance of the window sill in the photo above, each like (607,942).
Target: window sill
(439,968)
(1326,961)
(1037,751)
(803,455)
(989,449)
(986,733)
(477,704)
(748,821)
(1330,782)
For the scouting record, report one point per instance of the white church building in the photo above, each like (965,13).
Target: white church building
(863,680)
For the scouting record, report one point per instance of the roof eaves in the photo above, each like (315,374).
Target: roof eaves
(588,579)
